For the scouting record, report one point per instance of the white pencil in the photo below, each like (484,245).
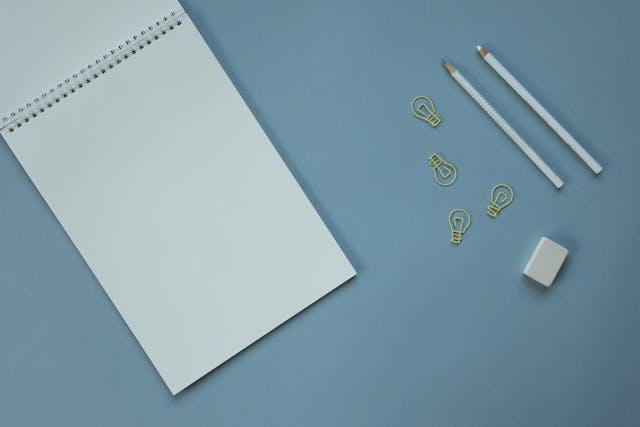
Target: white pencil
(517,139)
(542,112)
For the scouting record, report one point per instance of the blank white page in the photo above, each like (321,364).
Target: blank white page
(180,205)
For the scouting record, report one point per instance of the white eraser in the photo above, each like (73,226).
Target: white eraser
(545,262)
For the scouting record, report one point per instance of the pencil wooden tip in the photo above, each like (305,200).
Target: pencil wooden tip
(450,68)
(482,51)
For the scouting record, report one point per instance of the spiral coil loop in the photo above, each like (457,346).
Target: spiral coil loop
(69,86)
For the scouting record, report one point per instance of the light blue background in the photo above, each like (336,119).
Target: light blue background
(428,333)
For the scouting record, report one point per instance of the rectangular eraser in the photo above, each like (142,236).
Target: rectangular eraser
(545,262)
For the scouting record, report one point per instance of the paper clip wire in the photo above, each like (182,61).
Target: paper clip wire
(425,110)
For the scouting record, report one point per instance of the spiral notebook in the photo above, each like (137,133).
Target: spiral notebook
(157,170)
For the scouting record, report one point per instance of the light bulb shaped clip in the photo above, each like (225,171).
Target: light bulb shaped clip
(501,197)
(422,108)
(444,173)
(459,222)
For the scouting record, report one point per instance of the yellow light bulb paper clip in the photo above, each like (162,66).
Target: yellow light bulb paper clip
(459,222)
(501,197)
(422,108)
(444,173)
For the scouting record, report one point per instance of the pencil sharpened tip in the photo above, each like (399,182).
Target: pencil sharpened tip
(448,66)
(482,50)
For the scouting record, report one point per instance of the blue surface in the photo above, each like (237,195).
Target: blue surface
(428,333)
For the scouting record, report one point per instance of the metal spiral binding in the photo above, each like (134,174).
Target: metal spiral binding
(92,71)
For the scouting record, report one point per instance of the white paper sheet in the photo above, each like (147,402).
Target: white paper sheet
(180,205)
